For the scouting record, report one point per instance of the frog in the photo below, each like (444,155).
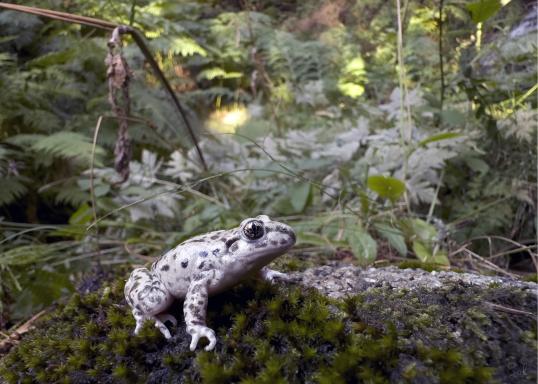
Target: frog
(203,266)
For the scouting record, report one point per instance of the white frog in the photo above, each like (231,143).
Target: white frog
(203,266)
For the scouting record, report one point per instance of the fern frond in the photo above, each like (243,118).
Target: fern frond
(72,196)
(68,145)
(34,253)
(11,189)
(186,46)
(214,73)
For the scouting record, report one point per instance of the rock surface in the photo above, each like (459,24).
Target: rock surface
(340,281)
(383,325)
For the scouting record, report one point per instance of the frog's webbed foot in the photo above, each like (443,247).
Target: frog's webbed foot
(273,276)
(197,331)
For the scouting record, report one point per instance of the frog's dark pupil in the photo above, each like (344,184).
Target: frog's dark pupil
(253,230)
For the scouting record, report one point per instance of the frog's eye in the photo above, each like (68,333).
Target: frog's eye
(253,229)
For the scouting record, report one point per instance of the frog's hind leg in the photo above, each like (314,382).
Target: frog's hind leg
(149,298)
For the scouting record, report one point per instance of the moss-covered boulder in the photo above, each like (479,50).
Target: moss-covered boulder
(453,333)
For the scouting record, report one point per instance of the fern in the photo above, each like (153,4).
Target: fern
(67,145)
(216,72)
(186,46)
(11,190)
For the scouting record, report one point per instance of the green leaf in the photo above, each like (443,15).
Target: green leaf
(417,229)
(365,202)
(310,238)
(386,187)
(42,289)
(439,137)
(441,257)
(453,117)
(477,165)
(83,215)
(422,251)
(425,254)
(394,236)
(300,195)
(483,9)
(363,246)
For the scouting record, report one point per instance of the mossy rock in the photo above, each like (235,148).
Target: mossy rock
(291,334)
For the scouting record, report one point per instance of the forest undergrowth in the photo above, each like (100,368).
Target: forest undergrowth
(382,132)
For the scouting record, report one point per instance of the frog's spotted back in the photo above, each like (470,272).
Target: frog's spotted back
(202,266)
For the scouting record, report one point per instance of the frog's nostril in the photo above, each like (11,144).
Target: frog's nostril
(293,237)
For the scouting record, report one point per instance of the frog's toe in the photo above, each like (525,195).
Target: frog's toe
(274,276)
(160,325)
(199,331)
(164,317)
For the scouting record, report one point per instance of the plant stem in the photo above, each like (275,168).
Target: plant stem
(404,135)
(441,68)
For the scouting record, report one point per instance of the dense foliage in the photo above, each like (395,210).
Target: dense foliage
(413,143)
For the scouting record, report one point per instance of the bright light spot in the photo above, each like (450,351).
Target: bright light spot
(226,120)
(353,77)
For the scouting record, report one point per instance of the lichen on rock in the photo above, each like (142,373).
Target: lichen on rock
(377,332)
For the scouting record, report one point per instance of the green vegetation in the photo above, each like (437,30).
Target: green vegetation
(268,334)
(379,138)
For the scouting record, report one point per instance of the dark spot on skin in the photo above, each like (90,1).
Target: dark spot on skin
(234,247)
(283,242)
(273,242)
(267,230)
(191,307)
(202,264)
(231,241)
(138,277)
(135,285)
(214,237)
(215,252)
(260,245)
(200,302)
(203,254)
(195,241)
(165,267)
(175,255)
(184,263)
(138,307)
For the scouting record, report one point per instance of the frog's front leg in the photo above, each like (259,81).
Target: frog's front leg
(195,307)
(272,276)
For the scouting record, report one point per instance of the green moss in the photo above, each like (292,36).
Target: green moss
(417,264)
(270,334)
(533,277)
